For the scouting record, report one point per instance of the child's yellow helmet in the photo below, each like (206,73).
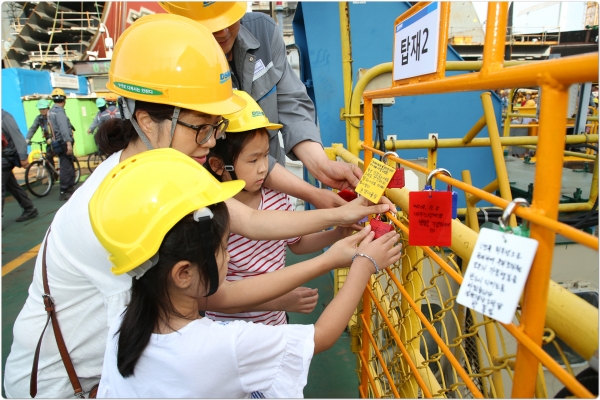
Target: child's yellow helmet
(143,197)
(250,118)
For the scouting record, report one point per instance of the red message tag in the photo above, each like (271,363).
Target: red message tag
(397,181)
(347,195)
(380,228)
(430,218)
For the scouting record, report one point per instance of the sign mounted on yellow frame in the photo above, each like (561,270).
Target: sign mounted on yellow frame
(420,43)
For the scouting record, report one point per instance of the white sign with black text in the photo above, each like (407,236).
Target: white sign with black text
(416,43)
(497,273)
(64,81)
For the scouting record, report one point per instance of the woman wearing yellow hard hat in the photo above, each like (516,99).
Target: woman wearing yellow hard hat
(257,56)
(165,103)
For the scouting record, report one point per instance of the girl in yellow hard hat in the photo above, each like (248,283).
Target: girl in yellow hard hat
(243,154)
(165,103)
(159,346)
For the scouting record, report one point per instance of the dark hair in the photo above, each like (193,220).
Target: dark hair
(115,134)
(229,149)
(150,302)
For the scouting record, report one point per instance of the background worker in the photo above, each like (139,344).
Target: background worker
(101,104)
(61,129)
(41,122)
(107,110)
(14,154)
(256,53)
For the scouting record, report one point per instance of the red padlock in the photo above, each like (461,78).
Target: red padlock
(379,227)
(347,195)
(397,181)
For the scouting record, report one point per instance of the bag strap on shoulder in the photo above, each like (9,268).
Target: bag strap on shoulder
(62,348)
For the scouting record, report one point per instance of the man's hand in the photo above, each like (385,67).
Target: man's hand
(69,148)
(24,163)
(337,174)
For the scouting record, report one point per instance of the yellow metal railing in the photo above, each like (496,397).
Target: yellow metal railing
(414,340)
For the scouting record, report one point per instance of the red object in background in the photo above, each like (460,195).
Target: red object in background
(347,195)
(380,228)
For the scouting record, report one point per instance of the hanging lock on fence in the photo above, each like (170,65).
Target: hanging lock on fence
(521,230)
(454,194)
(347,194)
(379,227)
(397,181)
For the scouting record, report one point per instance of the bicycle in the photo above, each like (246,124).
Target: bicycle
(95,159)
(40,174)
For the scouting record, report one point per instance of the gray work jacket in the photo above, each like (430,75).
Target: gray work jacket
(61,124)
(261,68)
(10,127)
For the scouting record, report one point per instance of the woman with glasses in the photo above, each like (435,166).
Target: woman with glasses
(164,103)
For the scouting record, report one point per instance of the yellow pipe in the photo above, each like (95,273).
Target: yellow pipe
(506,128)
(594,187)
(368,136)
(497,152)
(565,152)
(490,187)
(568,70)
(474,130)
(476,65)
(480,142)
(493,48)
(361,84)
(490,332)
(346,60)
(545,202)
(365,348)
(348,156)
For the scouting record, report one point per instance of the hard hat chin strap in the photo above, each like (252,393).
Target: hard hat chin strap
(203,216)
(127,107)
(176,112)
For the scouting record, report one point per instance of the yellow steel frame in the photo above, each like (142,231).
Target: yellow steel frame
(554,78)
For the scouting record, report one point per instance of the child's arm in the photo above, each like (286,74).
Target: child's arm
(300,300)
(273,225)
(318,241)
(334,319)
(242,295)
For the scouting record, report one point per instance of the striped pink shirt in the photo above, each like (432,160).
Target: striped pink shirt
(255,257)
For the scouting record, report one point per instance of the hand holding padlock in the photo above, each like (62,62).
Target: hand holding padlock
(379,227)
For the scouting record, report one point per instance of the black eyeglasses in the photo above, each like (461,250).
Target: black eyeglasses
(205,131)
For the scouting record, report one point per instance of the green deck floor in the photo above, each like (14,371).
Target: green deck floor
(332,373)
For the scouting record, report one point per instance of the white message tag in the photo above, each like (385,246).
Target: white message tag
(497,273)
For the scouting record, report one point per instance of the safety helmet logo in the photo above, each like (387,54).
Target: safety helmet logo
(224,77)
(138,89)
(207,3)
(258,114)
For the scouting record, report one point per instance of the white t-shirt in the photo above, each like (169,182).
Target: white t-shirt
(256,257)
(209,359)
(87,298)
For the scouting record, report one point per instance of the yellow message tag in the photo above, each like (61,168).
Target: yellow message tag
(375,180)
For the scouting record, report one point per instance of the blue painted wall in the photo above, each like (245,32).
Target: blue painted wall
(18,82)
(317,33)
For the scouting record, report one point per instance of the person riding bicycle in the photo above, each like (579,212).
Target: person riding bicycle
(41,122)
(62,132)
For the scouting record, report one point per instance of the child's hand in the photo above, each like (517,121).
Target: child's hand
(340,253)
(360,208)
(342,232)
(384,250)
(300,300)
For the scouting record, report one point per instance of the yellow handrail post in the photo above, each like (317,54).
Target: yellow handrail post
(545,201)
(346,61)
(368,129)
(497,152)
(495,31)
(474,130)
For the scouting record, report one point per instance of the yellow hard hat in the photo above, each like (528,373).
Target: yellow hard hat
(168,59)
(250,118)
(58,94)
(215,15)
(111,97)
(143,197)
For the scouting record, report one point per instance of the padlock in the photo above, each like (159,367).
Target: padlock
(347,194)
(379,227)
(521,230)
(454,194)
(397,181)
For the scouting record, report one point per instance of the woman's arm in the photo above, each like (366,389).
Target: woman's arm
(275,225)
(282,180)
(242,295)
